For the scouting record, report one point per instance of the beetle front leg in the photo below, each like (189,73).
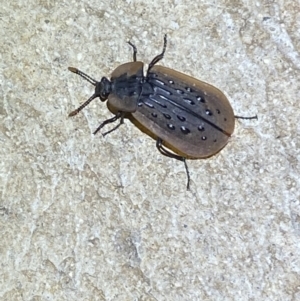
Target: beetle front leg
(119,115)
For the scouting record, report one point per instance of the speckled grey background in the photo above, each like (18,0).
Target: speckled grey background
(84,217)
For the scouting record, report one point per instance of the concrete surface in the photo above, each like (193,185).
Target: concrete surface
(84,217)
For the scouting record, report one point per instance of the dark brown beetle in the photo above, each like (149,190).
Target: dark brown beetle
(189,116)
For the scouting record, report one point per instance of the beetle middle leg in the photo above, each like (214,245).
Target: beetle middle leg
(119,115)
(167,153)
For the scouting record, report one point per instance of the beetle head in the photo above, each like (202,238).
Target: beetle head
(102,89)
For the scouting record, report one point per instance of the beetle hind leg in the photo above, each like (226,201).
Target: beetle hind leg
(243,117)
(134,50)
(167,153)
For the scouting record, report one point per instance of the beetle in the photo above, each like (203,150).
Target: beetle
(189,118)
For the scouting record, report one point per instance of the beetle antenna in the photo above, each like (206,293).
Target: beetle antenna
(83,75)
(75,112)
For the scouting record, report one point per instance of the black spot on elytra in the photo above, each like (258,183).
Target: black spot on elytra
(201,99)
(189,101)
(185,130)
(171,126)
(181,118)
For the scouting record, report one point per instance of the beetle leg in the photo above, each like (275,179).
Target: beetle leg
(134,50)
(158,57)
(119,115)
(167,153)
(242,117)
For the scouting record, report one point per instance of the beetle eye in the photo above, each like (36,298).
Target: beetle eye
(103,96)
